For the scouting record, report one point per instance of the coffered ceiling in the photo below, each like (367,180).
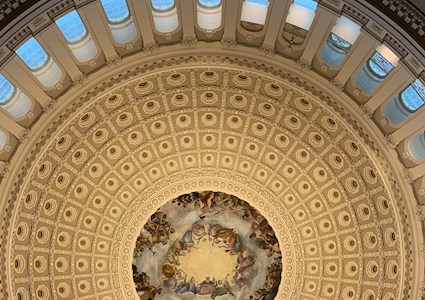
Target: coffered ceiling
(228,110)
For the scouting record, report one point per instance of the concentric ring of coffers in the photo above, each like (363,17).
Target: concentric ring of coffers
(79,194)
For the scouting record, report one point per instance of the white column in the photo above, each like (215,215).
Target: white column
(324,20)
(277,10)
(22,78)
(186,14)
(231,19)
(142,19)
(100,29)
(362,49)
(10,125)
(56,46)
(400,79)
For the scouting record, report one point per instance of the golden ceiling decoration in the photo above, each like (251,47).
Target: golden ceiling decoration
(138,140)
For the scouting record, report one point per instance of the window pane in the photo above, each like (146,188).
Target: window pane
(162,4)
(309,4)
(419,88)
(416,147)
(339,42)
(332,53)
(71,26)
(115,10)
(380,65)
(210,3)
(263,2)
(6,89)
(414,96)
(32,54)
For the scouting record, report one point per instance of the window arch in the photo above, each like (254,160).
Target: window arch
(416,147)
(72,27)
(43,67)
(32,54)
(116,10)
(301,13)
(298,21)
(165,15)
(376,69)
(162,4)
(13,100)
(343,35)
(210,3)
(209,14)
(406,103)
(6,90)
(75,33)
(254,14)
(121,23)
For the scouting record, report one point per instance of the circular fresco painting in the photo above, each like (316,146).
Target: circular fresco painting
(207,245)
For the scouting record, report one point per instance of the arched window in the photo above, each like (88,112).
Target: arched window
(120,22)
(116,10)
(32,54)
(6,90)
(416,147)
(43,67)
(301,13)
(406,103)
(75,33)
(162,4)
(12,100)
(254,14)
(165,15)
(343,35)
(209,14)
(210,3)
(376,69)
(72,27)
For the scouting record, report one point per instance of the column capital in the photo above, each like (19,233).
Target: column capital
(390,141)
(408,175)
(189,41)
(49,105)
(267,49)
(228,41)
(4,169)
(366,110)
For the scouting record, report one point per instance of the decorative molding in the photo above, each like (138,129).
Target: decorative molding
(366,110)
(228,41)
(113,60)
(355,14)
(18,38)
(80,79)
(49,105)
(189,41)
(407,174)
(390,141)
(4,169)
(420,211)
(268,50)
